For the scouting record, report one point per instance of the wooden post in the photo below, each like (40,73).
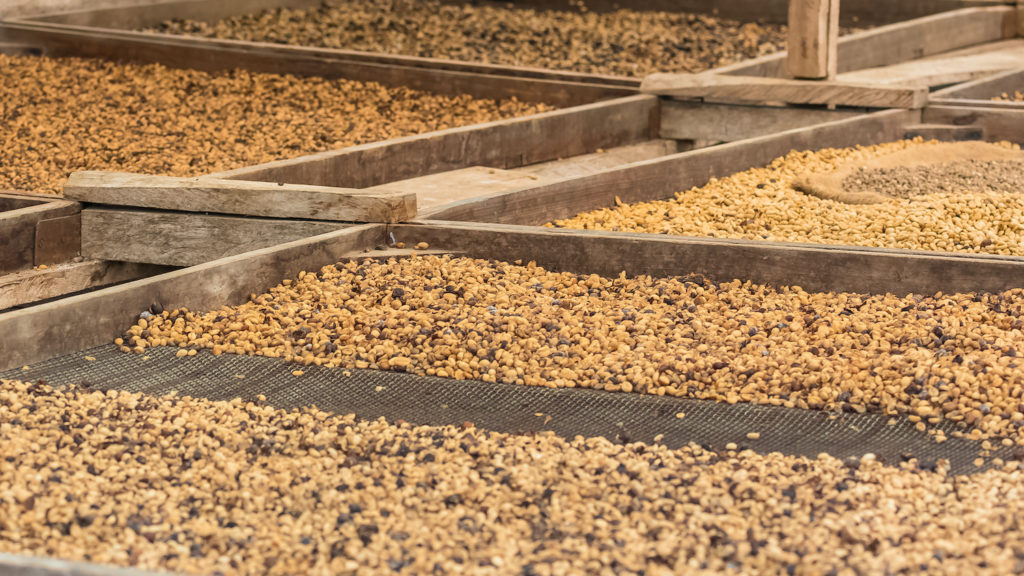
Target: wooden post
(813,38)
(1020,17)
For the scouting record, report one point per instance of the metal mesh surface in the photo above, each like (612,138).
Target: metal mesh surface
(622,417)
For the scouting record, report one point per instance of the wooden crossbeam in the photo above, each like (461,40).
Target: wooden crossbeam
(183,238)
(241,197)
(813,38)
(754,89)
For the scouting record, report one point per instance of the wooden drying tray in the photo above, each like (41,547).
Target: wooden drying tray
(80,322)
(106,33)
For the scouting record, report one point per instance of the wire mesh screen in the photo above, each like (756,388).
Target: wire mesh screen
(622,417)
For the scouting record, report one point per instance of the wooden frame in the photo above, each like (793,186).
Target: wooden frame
(36,230)
(102,33)
(980,93)
(91,319)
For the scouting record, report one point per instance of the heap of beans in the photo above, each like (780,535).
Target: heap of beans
(951,357)
(241,488)
(67,114)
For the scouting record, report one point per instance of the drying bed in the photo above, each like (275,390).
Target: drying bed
(157,120)
(327,493)
(955,206)
(930,358)
(625,42)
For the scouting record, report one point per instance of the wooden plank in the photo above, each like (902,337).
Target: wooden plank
(984,88)
(813,267)
(272,199)
(728,123)
(737,89)
(18,231)
(444,188)
(213,55)
(58,239)
(813,36)
(29,286)
(184,239)
(503,144)
(902,41)
(951,69)
(80,322)
(662,177)
(586,164)
(997,124)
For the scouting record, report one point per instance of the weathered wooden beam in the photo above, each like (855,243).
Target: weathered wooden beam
(80,322)
(814,267)
(683,120)
(813,38)
(998,124)
(959,66)
(502,144)
(184,239)
(980,91)
(662,177)
(446,187)
(753,89)
(271,199)
(29,286)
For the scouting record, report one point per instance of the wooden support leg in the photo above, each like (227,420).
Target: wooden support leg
(813,38)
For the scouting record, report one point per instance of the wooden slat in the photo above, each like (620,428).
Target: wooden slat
(985,88)
(813,36)
(997,124)
(184,239)
(586,164)
(31,286)
(941,71)
(18,230)
(276,200)
(503,144)
(95,318)
(728,123)
(212,55)
(738,89)
(662,177)
(902,41)
(813,267)
(58,239)
(444,188)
